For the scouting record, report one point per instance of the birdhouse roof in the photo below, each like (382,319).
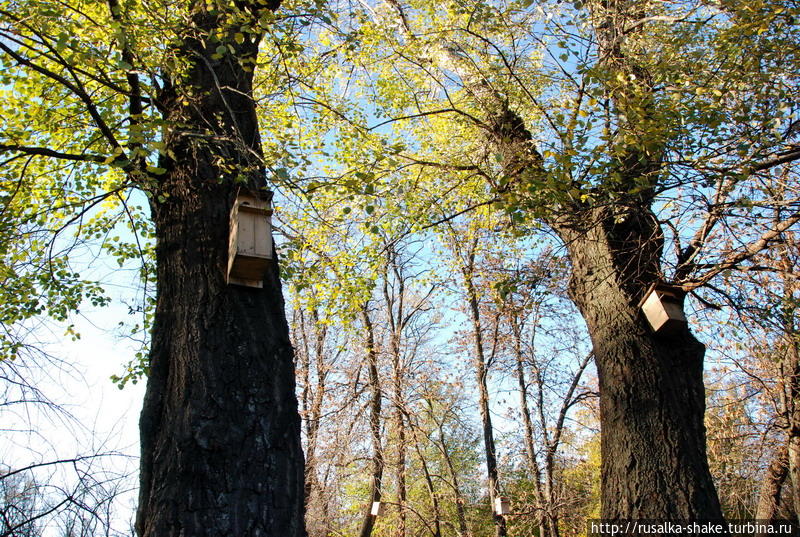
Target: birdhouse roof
(262,194)
(663,288)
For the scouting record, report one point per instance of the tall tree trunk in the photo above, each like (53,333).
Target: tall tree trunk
(400,430)
(769,498)
(402,493)
(437,515)
(374,425)
(318,398)
(543,512)
(790,367)
(652,397)
(463,528)
(312,401)
(396,319)
(481,374)
(220,431)
(551,445)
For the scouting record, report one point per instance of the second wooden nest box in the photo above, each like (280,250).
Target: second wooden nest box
(502,506)
(663,307)
(378,509)
(250,245)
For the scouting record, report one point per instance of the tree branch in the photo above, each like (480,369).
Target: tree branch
(725,186)
(569,400)
(135,96)
(46,152)
(76,90)
(784,157)
(733,259)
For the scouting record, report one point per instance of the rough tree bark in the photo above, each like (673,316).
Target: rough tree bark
(790,368)
(769,497)
(652,399)
(220,431)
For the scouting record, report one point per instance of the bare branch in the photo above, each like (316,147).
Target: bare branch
(46,152)
(737,257)
(784,157)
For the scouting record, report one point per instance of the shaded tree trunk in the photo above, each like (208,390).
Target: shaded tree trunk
(769,498)
(437,515)
(463,528)
(220,431)
(546,518)
(652,399)
(374,425)
(790,367)
(481,373)
(312,401)
(221,450)
(530,448)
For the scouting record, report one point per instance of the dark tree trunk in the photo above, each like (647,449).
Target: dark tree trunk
(221,452)
(651,386)
(546,517)
(437,514)
(769,498)
(312,403)
(374,426)
(220,431)
(794,444)
(481,374)
(463,528)
(790,367)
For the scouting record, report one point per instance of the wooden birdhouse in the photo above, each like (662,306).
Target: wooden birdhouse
(250,245)
(378,509)
(663,307)
(502,506)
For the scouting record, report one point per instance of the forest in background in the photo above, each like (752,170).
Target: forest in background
(465,193)
(415,343)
